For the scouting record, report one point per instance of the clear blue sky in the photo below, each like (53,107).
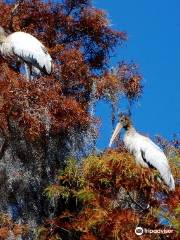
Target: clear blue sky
(153,28)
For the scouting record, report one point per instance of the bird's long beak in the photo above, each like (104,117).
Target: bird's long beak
(115,133)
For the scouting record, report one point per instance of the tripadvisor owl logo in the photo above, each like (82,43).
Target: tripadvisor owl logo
(138,231)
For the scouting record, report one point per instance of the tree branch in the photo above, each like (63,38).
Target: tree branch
(136,203)
(3,149)
(13,13)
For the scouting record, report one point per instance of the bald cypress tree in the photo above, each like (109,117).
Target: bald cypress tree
(47,119)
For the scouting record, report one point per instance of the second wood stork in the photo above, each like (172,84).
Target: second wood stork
(146,152)
(27,49)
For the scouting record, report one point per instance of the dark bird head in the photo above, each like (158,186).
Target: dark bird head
(124,122)
(3,35)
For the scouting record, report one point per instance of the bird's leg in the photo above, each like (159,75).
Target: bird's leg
(28,71)
(31,72)
(18,67)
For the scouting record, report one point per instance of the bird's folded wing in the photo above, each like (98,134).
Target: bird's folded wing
(155,157)
(31,50)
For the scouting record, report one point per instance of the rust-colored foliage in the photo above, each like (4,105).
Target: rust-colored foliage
(124,79)
(79,39)
(10,229)
(107,196)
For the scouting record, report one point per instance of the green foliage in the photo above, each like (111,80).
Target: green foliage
(85,196)
(71,176)
(111,195)
(175,219)
(56,191)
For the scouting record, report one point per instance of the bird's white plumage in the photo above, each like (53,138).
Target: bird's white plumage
(146,153)
(138,144)
(27,48)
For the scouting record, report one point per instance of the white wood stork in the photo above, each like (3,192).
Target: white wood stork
(146,153)
(27,49)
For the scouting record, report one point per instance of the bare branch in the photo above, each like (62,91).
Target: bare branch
(3,149)
(136,203)
(14,11)
(4,145)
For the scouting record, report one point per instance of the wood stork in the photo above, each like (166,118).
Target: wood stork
(27,49)
(146,153)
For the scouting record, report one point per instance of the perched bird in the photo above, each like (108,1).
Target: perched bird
(27,49)
(146,153)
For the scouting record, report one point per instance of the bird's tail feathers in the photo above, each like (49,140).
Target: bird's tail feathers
(48,64)
(171,183)
(169,180)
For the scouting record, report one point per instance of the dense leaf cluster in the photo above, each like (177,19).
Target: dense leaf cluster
(107,197)
(80,40)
